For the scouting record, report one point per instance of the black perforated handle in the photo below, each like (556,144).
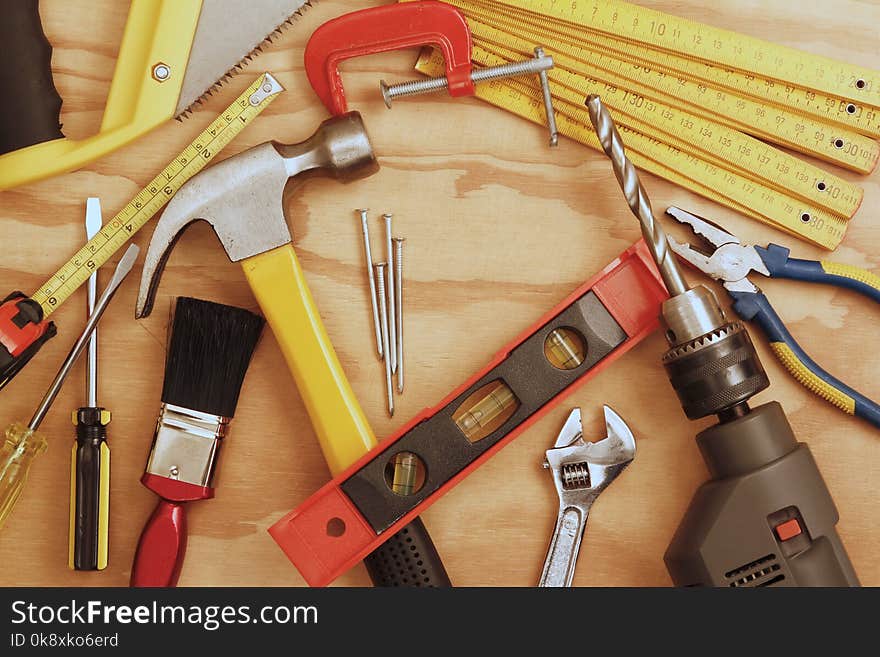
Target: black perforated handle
(29,103)
(408,558)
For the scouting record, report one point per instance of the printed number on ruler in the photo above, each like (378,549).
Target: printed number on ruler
(796,95)
(590,55)
(686,169)
(724,146)
(704,42)
(157,193)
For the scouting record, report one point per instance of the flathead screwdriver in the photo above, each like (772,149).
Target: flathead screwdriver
(23,443)
(90,455)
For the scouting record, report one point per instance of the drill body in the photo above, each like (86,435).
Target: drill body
(766,517)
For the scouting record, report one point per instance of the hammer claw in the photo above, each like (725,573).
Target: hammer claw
(243,196)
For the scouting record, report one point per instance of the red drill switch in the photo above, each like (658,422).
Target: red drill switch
(382,29)
(364,506)
(788,529)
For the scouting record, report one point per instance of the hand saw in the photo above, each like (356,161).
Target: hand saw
(172,54)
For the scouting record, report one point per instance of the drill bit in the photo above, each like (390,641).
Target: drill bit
(636,196)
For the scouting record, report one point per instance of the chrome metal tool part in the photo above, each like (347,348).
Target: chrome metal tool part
(93,225)
(636,196)
(398,305)
(548,101)
(377,325)
(122,270)
(228,34)
(581,471)
(417,87)
(383,306)
(389,286)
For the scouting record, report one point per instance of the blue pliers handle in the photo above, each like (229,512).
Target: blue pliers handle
(779,265)
(755,305)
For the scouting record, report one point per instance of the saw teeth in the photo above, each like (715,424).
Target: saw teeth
(291,20)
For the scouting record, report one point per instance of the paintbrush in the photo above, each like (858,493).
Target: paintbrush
(208,355)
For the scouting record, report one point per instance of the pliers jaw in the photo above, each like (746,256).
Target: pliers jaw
(729,261)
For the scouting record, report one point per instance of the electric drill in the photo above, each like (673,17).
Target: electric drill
(766,516)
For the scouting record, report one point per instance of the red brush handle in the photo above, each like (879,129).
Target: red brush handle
(161,548)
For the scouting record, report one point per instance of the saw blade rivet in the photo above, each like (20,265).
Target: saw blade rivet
(161,72)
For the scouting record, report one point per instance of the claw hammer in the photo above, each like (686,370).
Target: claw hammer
(244,198)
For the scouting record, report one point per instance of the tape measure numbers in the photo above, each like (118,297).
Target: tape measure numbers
(806,134)
(724,146)
(705,42)
(157,193)
(796,95)
(685,169)
(689,118)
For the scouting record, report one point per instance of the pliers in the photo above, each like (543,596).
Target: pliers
(731,262)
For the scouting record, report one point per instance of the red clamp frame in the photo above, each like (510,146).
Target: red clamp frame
(386,28)
(329,533)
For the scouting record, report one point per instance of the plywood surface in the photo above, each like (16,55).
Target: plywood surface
(499,229)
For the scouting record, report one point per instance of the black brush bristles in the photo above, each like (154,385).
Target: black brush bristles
(208,355)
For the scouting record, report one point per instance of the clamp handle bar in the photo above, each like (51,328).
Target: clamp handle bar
(383,29)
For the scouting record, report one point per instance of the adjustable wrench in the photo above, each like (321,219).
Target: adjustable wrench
(581,471)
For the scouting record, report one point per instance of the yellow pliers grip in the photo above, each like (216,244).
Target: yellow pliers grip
(144,92)
(860,278)
(756,306)
(277,281)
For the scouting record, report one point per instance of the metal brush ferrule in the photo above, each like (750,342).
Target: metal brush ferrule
(186,445)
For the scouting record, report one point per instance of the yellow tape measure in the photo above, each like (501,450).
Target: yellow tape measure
(723,146)
(798,95)
(711,44)
(727,187)
(116,232)
(693,131)
(643,75)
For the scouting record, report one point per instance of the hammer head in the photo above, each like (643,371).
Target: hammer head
(244,197)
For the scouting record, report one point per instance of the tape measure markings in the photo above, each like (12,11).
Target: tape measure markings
(716,45)
(156,194)
(792,95)
(710,172)
(801,132)
(820,228)
(726,146)
(658,157)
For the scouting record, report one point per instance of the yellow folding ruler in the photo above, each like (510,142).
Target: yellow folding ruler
(688,115)
(157,193)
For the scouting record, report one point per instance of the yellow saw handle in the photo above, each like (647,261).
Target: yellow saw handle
(277,281)
(157,32)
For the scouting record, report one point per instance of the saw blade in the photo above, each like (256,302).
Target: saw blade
(227,34)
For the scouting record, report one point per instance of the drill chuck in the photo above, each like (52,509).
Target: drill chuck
(711,363)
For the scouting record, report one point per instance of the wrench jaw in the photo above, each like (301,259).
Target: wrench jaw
(604,459)
(581,471)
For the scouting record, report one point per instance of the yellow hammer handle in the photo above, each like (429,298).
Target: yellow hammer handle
(277,281)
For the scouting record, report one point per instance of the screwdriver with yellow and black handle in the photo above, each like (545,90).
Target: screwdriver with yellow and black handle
(90,455)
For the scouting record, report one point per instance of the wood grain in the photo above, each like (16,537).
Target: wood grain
(499,228)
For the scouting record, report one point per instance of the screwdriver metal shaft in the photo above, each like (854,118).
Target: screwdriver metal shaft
(93,225)
(383,306)
(636,196)
(24,443)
